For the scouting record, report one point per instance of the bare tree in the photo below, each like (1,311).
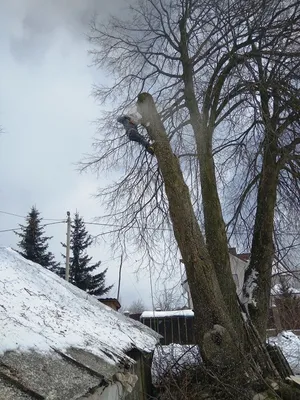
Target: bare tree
(168,299)
(204,76)
(204,64)
(217,332)
(137,307)
(272,67)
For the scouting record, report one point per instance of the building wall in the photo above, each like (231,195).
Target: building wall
(238,268)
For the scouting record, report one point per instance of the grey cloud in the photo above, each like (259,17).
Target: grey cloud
(45,112)
(41,20)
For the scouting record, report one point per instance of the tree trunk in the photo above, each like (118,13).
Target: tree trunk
(209,305)
(257,284)
(214,225)
(222,347)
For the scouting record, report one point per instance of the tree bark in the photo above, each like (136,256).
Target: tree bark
(259,272)
(257,284)
(209,305)
(222,343)
(215,232)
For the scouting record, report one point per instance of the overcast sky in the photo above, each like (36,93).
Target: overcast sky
(46,114)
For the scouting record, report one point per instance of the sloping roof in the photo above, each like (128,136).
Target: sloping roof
(108,301)
(32,375)
(244,256)
(43,316)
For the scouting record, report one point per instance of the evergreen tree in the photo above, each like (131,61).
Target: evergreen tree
(34,244)
(80,268)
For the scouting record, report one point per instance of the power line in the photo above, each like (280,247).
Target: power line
(9,213)
(60,220)
(169,229)
(86,223)
(17,229)
(150,228)
(55,223)
(22,216)
(10,230)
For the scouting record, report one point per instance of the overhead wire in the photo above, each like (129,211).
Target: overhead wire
(23,216)
(17,229)
(10,230)
(61,220)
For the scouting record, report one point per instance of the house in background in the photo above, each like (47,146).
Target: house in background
(284,275)
(238,264)
(58,342)
(279,317)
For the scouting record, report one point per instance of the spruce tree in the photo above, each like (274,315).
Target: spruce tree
(34,244)
(80,268)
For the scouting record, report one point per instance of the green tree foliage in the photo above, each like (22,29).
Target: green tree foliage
(80,267)
(34,244)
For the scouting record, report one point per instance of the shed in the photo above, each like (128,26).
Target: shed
(57,342)
(110,302)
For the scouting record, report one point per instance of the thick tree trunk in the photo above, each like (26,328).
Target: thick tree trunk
(257,284)
(215,233)
(214,225)
(222,346)
(208,299)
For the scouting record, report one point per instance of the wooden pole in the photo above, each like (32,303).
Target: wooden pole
(67,276)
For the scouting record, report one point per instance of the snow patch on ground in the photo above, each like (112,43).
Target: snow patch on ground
(39,310)
(290,346)
(172,359)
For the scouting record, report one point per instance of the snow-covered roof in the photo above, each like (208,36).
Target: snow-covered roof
(40,312)
(166,314)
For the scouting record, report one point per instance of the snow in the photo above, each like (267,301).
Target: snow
(250,287)
(290,346)
(165,314)
(40,311)
(172,359)
(277,290)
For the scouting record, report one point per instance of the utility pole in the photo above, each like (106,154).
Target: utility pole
(68,246)
(120,269)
